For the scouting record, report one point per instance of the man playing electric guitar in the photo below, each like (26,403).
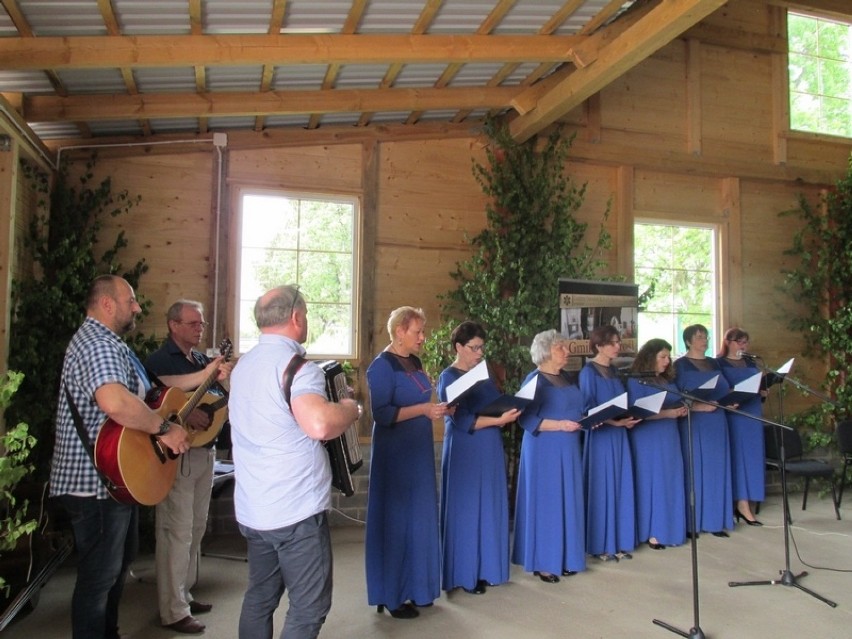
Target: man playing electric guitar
(181,518)
(104,380)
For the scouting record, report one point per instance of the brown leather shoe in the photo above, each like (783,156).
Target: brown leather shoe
(199,608)
(189,625)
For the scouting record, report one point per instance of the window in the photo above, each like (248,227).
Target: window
(308,240)
(676,265)
(820,67)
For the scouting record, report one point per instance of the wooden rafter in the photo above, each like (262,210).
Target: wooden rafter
(240,104)
(104,52)
(654,30)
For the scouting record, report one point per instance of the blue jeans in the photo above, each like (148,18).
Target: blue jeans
(295,558)
(106,537)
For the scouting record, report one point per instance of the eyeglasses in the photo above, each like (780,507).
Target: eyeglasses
(476,348)
(193,324)
(742,340)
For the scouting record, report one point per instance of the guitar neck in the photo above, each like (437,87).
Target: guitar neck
(196,396)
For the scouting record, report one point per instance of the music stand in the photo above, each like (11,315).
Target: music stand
(787,577)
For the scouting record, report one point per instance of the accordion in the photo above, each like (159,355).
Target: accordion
(344,452)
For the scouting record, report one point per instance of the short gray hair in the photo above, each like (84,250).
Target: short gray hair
(542,343)
(173,314)
(275,307)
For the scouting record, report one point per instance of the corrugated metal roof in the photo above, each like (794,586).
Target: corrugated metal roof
(47,19)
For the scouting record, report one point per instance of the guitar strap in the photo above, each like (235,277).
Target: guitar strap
(296,362)
(87,443)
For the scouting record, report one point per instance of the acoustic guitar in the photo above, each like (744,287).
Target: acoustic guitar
(140,466)
(216,407)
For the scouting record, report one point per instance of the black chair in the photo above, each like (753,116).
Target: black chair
(843,433)
(797,465)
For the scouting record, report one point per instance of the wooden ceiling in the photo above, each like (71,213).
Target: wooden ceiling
(135,68)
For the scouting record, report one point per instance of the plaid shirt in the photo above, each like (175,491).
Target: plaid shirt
(95,356)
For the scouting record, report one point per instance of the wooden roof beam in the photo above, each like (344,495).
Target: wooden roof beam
(233,104)
(105,52)
(666,21)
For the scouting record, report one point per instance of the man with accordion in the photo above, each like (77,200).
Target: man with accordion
(282,472)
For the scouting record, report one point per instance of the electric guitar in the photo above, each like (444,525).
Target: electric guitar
(140,466)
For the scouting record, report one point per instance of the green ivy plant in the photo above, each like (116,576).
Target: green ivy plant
(63,239)
(821,283)
(532,238)
(17,444)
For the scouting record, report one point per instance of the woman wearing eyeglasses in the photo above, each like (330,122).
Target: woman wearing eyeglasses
(474,500)
(711,452)
(402,547)
(607,459)
(549,512)
(748,457)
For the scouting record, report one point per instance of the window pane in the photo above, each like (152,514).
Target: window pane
(674,264)
(820,70)
(307,241)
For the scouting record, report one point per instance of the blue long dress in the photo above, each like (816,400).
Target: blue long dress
(711,450)
(549,509)
(608,471)
(658,472)
(402,547)
(474,496)
(748,456)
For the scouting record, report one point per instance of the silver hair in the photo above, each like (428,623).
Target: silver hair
(542,343)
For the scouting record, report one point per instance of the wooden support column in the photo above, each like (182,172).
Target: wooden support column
(8,206)
(693,97)
(367,251)
(624,211)
(731,241)
(780,88)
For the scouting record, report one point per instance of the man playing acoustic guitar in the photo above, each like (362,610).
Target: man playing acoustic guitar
(104,380)
(181,518)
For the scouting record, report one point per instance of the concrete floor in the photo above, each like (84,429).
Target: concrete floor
(609,600)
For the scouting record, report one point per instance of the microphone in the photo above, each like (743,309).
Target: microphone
(748,355)
(637,373)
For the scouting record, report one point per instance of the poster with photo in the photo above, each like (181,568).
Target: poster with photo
(584,305)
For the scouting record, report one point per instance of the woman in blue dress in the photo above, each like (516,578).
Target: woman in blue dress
(657,457)
(711,452)
(474,499)
(607,460)
(402,547)
(549,538)
(748,456)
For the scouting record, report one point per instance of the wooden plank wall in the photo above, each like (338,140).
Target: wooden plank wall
(692,135)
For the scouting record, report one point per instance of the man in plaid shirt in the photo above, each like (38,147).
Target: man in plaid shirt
(105,379)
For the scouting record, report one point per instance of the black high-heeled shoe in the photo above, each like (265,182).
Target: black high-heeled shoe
(653,545)
(548,579)
(751,522)
(405,611)
(569,573)
(478,589)
(720,533)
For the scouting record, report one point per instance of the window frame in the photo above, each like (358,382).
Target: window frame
(353,199)
(717,237)
(788,88)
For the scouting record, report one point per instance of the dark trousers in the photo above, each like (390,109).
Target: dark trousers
(106,537)
(296,558)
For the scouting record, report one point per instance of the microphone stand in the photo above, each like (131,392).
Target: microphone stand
(695,632)
(787,577)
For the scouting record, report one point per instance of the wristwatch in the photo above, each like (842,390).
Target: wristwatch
(164,427)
